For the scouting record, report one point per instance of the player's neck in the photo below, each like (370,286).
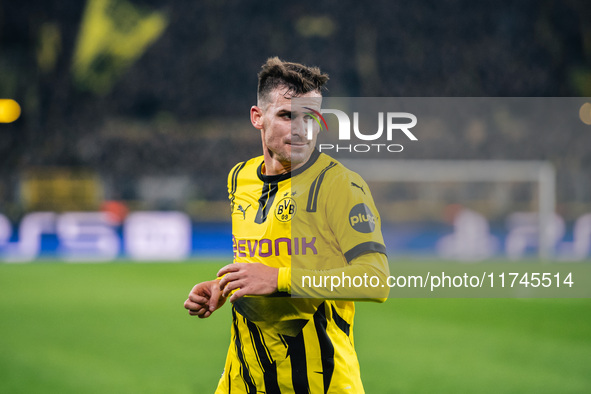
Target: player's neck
(272,166)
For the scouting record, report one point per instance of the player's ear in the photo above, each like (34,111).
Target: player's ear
(256,117)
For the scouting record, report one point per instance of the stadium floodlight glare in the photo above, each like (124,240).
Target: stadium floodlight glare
(541,172)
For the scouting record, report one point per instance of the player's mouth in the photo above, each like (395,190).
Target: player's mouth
(297,143)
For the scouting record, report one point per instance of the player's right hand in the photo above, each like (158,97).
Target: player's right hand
(204,299)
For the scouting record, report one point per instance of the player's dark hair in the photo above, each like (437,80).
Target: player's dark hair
(296,78)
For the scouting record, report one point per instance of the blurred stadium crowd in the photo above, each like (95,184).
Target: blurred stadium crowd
(147,101)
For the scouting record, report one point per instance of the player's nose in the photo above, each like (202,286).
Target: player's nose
(298,128)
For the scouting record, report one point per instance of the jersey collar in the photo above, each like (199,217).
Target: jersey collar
(281,177)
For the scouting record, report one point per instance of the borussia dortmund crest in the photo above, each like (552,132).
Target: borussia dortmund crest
(285,209)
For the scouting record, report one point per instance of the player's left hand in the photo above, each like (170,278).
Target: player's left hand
(249,279)
(204,299)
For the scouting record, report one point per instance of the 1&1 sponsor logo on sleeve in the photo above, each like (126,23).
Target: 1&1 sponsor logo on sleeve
(362,219)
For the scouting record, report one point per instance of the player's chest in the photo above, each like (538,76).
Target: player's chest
(260,209)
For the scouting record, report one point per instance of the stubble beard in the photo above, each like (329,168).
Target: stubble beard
(290,159)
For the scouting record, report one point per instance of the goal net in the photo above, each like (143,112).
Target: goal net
(518,198)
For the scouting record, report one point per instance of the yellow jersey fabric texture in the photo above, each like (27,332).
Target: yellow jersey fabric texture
(319,218)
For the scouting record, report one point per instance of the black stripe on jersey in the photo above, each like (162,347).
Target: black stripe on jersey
(230,380)
(266,201)
(340,322)
(296,350)
(269,367)
(283,340)
(315,188)
(244,371)
(326,346)
(366,247)
(235,183)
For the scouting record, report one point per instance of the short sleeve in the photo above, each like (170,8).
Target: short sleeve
(353,217)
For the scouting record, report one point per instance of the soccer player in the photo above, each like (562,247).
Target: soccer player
(300,221)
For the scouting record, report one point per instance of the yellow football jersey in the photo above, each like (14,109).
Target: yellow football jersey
(318,219)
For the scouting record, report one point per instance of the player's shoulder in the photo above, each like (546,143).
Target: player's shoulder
(336,172)
(336,187)
(245,166)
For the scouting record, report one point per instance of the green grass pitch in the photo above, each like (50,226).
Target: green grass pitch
(121,328)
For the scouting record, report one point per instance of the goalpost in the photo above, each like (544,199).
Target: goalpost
(541,172)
